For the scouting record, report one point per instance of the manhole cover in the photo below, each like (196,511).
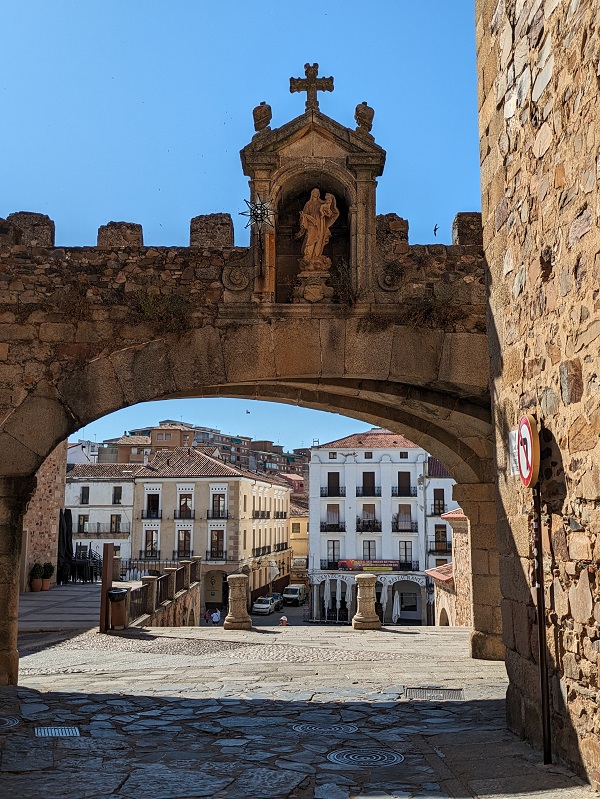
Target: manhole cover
(57,732)
(8,721)
(318,727)
(365,757)
(434,694)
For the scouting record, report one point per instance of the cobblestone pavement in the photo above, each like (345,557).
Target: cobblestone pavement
(296,712)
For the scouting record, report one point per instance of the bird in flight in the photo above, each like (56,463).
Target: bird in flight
(435,230)
(247,411)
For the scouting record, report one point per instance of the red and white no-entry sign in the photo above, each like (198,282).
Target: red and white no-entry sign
(528,451)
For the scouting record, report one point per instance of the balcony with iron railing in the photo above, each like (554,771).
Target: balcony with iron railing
(439,547)
(281,547)
(368,491)
(182,554)
(216,554)
(184,513)
(340,491)
(151,513)
(258,552)
(333,527)
(261,514)
(149,554)
(280,514)
(329,565)
(368,526)
(408,566)
(404,491)
(217,513)
(89,528)
(437,508)
(405,526)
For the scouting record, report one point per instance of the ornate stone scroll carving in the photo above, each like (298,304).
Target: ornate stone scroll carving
(235,278)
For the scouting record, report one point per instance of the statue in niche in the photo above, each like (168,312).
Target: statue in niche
(316,219)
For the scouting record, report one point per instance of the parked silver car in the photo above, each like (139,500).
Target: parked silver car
(277,600)
(263,604)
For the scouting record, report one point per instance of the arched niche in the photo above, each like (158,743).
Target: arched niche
(291,198)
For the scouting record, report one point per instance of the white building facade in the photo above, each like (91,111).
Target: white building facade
(375,505)
(100,498)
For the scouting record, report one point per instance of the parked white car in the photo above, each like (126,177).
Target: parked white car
(264,604)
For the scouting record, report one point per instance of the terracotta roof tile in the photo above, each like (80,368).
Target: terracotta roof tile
(194,462)
(134,440)
(298,510)
(377,438)
(457,513)
(437,469)
(444,574)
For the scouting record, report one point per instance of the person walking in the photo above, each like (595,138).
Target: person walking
(216,616)
(207,616)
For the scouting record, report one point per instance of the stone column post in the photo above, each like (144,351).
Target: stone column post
(151,596)
(15,493)
(478,503)
(187,565)
(366,618)
(171,572)
(237,618)
(116,568)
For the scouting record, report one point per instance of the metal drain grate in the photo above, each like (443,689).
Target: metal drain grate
(8,721)
(325,728)
(365,758)
(57,732)
(433,694)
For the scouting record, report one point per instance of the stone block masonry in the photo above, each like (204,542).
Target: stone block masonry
(40,523)
(539,112)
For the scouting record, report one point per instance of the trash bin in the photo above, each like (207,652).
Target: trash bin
(118,608)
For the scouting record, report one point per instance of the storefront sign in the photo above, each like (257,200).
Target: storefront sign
(369,565)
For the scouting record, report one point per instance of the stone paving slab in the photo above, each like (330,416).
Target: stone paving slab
(179,714)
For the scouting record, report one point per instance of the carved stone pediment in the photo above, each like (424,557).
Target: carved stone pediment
(317,132)
(285,165)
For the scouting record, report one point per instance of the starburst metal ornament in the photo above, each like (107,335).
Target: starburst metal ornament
(259,215)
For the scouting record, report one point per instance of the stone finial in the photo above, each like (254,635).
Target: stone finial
(211,230)
(120,234)
(262,116)
(363,114)
(467,229)
(37,229)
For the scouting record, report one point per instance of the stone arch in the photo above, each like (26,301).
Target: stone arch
(443,621)
(411,380)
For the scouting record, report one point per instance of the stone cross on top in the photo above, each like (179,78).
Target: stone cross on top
(311,85)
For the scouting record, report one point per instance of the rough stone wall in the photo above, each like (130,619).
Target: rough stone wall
(462,570)
(40,523)
(183,611)
(539,110)
(445,600)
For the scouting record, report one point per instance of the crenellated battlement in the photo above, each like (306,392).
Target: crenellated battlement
(432,284)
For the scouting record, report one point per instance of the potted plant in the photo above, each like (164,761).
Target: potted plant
(35,576)
(47,572)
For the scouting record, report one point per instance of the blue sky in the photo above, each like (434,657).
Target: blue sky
(137,111)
